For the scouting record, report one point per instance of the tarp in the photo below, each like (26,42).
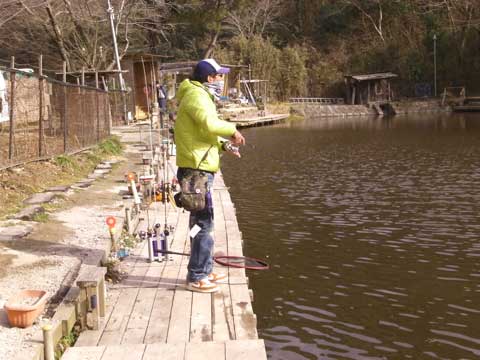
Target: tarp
(3,98)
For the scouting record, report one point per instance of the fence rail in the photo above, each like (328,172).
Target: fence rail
(329,101)
(41,117)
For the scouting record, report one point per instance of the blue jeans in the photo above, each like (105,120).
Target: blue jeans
(201,254)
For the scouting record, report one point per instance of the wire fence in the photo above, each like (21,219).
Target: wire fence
(119,106)
(41,117)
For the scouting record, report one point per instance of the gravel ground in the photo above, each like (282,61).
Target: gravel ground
(49,258)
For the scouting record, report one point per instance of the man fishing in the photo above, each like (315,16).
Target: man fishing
(200,137)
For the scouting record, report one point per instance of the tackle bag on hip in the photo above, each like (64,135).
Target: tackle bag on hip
(193,190)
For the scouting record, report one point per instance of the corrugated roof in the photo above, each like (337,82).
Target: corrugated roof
(378,76)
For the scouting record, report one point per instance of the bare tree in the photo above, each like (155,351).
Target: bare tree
(372,10)
(78,32)
(255,20)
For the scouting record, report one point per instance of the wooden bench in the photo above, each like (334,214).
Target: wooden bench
(91,282)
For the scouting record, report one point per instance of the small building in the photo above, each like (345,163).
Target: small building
(364,89)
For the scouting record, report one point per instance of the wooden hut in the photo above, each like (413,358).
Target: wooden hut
(364,89)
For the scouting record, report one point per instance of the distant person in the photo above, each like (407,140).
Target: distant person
(198,137)
(161,97)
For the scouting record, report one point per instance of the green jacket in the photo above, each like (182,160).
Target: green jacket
(198,129)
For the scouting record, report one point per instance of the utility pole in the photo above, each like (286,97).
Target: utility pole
(115,46)
(435,63)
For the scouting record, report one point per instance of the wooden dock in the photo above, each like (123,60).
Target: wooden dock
(151,315)
(468,104)
(260,120)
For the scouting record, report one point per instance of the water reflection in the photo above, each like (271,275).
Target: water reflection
(371,227)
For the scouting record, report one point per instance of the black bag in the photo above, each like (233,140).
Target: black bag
(193,190)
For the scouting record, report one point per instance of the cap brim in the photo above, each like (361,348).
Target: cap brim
(223,70)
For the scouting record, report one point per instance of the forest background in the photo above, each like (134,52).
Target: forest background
(303,47)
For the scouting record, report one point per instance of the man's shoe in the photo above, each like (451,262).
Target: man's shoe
(203,286)
(217,278)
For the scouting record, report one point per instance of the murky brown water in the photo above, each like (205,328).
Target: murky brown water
(372,231)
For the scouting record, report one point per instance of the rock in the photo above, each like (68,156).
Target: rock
(95,176)
(29,212)
(40,198)
(82,184)
(63,188)
(15,232)
(101,171)
(16,170)
(103,166)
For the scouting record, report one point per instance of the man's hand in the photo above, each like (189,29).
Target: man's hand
(232,149)
(237,138)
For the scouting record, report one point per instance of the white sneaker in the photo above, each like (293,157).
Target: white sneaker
(203,286)
(217,278)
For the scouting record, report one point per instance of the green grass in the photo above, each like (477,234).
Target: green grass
(40,217)
(128,240)
(94,158)
(110,146)
(65,342)
(66,161)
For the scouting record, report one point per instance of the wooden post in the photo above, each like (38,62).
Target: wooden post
(49,346)
(97,103)
(128,220)
(106,102)
(64,112)
(12,107)
(82,107)
(40,102)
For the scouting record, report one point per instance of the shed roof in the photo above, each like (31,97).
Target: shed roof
(367,77)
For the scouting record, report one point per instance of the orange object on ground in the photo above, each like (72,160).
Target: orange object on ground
(111,222)
(24,307)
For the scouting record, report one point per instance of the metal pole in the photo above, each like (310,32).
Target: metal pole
(12,106)
(117,59)
(115,46)
(435,63)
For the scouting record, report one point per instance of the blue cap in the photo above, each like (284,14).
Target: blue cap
(209,67)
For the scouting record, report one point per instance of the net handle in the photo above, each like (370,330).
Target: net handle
(223,260)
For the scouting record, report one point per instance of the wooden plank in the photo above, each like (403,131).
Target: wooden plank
(179,328)
(124,352)
(91,337)
(245,350)
(84,353)
(223,327)
(201,319)
(173,351)
(139,318)
(243,316)
(205,351)
(90,276)
(142,309)
(160,317)
(118,321)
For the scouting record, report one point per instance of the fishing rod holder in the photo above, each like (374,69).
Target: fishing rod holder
(158,243)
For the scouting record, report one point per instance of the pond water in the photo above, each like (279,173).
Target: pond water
(371,228)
